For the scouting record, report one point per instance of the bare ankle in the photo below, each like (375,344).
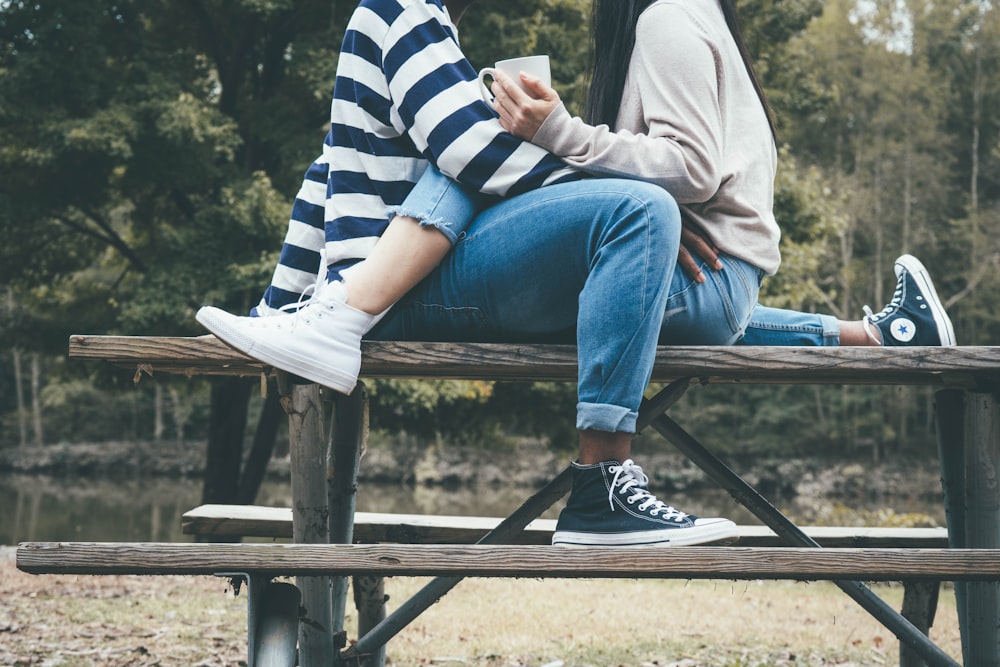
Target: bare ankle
(858,333)
(599,446)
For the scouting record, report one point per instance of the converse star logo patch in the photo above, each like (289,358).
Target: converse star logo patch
(903,329)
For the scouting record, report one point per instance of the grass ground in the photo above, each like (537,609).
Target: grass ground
(132,621)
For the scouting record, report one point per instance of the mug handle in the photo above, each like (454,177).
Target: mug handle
(483,90)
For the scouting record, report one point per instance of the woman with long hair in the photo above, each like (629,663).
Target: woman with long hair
(674,101)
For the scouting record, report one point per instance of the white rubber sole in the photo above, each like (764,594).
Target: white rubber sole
(922,277)
(218,322)
(711,531)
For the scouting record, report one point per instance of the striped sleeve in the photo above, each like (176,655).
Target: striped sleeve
(300,252)
(436,93)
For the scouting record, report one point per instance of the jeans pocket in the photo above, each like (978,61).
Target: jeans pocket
(742,281)
(714,312)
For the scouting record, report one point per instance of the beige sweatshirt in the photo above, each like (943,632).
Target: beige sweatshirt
(689,121)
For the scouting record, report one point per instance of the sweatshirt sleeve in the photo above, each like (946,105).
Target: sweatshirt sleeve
(436,92)
(675,66)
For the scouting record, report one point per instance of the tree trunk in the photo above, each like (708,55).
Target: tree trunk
(158,424)
(180,413)
(977,114)
(907,240)
(226,428)
(22,412)
(879,226)
(36,398)
(263,447)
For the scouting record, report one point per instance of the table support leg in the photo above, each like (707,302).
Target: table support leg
(949,409)
(348,438)
(370,598)
(310,516)
(982,523)
(439,586)
(780,524)
(275,623)
(374,640)
(920,600)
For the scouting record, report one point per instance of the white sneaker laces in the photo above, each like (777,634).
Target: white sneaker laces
(298,305)
(867,325)
(322,297)
(630,478)
(311,291)
(305,298)
(871,318)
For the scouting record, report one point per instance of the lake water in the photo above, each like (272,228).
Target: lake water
(46,508)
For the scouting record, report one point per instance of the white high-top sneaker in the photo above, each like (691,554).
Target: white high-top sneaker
(320,342)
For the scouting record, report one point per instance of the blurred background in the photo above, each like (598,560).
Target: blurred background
(150,151)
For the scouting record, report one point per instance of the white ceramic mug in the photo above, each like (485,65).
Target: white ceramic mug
(537,66)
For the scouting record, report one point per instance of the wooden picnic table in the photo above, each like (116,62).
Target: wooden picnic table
(966,380)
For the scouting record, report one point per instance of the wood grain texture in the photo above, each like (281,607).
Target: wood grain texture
(968,367)
(257,521)
(510,561)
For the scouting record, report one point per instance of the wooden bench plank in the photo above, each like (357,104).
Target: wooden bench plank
(969,367)
(509,561)
(276,522)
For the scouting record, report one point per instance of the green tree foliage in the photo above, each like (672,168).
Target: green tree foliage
(149,153)
(140,155)
(882,99)
(491,32)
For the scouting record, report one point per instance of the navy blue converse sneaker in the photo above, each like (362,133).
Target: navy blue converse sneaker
(915,315)
(610,506)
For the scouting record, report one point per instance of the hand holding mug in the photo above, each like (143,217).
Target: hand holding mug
(537,66)
(522,102)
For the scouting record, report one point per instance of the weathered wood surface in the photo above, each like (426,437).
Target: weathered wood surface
(703,562)
(308,448)
(258,521)
(969,367)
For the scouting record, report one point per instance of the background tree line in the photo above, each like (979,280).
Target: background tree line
(150,149)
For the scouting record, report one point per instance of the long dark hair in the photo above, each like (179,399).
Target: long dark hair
(613,34)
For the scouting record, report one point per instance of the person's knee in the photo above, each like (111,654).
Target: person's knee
(658,205)
(662,217)
(641,216)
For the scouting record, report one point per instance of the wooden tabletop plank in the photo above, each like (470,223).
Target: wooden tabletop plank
(276,522)
(970,367)
(509,561)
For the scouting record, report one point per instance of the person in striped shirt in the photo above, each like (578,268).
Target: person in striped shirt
(553,256)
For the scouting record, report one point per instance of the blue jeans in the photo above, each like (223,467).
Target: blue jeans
(777,326)
(715,312)
(724,311)
(586,259)
(557,262)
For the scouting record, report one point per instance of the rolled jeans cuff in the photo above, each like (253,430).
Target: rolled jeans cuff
(831,330)
(604,417)
(438,201)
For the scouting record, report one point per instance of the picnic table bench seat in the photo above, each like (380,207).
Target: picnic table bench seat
(510,560)
(216,520)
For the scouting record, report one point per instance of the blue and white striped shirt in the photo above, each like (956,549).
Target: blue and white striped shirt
(404,96)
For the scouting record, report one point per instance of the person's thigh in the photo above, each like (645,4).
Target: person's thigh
(594,255)
(715,312)
(518,271)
